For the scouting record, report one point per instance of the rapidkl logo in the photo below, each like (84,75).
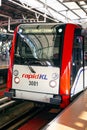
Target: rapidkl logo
(35,76)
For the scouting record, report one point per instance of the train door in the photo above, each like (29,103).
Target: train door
(77,73)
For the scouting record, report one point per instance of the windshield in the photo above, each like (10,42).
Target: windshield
(38,45)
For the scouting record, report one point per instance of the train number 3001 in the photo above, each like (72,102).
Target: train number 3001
(33,83)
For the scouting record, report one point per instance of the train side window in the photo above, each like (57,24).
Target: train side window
(77,56)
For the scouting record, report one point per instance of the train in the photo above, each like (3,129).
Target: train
(47,63)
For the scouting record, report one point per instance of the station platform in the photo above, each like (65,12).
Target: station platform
(74,117)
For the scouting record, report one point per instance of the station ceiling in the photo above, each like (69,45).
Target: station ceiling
(14,12)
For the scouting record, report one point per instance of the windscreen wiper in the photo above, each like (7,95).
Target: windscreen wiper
(31,69)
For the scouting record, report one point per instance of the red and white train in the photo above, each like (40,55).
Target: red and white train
(47,63)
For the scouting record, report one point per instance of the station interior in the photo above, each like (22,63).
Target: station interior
(24,114)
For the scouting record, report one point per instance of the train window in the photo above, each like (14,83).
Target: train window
(38,45)
(77,57)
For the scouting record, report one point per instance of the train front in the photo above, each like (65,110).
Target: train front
(35,63)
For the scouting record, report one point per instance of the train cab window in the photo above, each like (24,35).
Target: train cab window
(38,46)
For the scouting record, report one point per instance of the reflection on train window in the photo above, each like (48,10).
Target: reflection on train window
(77,58)
(42,47)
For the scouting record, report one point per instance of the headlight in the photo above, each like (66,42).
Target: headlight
(52,83)
(16,80)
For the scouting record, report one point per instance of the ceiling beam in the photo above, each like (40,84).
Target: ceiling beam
(32,10)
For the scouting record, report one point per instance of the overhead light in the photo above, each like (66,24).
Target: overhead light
(72,0)
(61,0)
(81,2)
(0,2)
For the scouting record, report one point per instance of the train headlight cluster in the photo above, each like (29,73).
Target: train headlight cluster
(60,30)
(52,83)
(16,80)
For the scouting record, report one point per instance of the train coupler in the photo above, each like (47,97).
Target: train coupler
(56,100)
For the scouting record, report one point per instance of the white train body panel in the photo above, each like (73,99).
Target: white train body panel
(85,76)
(45,82)
(80,82)
(33,96)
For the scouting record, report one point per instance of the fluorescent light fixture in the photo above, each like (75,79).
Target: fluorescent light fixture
(72,5)
(81,2)
(80,12)
(72,0)
(0,2)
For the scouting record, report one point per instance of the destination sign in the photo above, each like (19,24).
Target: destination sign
(39,31)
